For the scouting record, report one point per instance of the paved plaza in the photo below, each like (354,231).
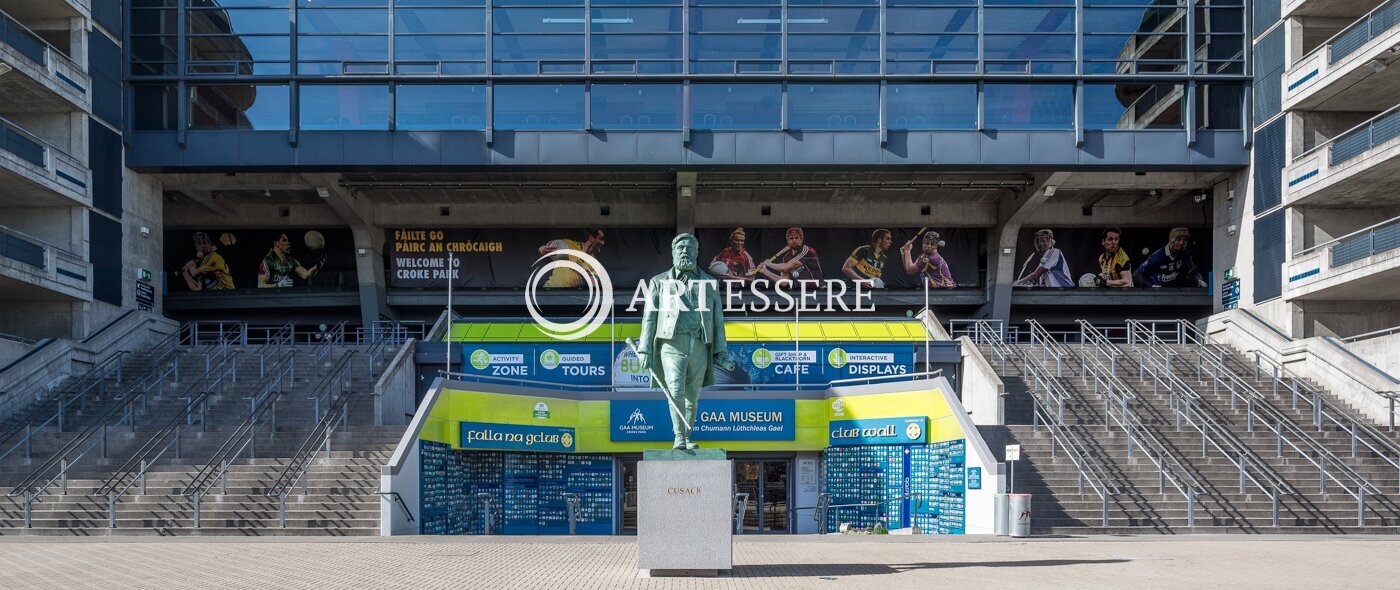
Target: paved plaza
(457,563)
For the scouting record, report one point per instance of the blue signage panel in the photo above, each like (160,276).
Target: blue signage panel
(974,478)
(785,363)
(879,431)
(579,364)
(514,437)
(718,419)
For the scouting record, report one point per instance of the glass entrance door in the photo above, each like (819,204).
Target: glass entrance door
(766,483)
(629,496)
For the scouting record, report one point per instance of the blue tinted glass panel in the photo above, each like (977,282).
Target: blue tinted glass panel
(931,20)
(736,106)
(927,2)
(1028,106)
(440,107)
(1028,2)
(736,20)
(1029,46)
(440,48)
(637,2)
(239,22)
(743,2)
(833,47)
(342,22)
(538,3)
(827,2)
(539,106)
(240,48)
(833,20)
(537,20)
(931,106)
(636,106)
(344,107)
(1219,106)
(1133,20)
(951,47)
(833,106)
(1029,20)
(343,48)
(736,47)
(537,47)
(636,46)
(439,2)
(439,20)
(340,3)
(636,20)
(1132,106)
(264,107)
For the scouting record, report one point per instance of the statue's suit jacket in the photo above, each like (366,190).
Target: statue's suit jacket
(659,323)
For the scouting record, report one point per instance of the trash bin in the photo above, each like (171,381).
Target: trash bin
(999,521)
(1020,515)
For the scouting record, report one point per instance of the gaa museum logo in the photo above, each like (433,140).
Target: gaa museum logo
(542,411)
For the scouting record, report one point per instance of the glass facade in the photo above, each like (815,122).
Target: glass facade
(697,64)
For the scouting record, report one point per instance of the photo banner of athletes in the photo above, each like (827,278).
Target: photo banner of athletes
(1112,257)
(504,258)
(221,259)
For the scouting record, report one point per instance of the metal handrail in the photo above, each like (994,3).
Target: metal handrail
(299,465)
(157,355)
(1358,232)
(138,391)
(1326,45)
(323,392)
(169,436)
(1371,334)
(1328,464)
(1183,401)
(1324,407)
(1335,138)
(1170,467)
(243,438)
(112,364)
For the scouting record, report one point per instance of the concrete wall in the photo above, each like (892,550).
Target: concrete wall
(11,350)
(1310,129)
(1381,351)
(1233,250)
(1341,319)
(396,387)
(983,393)
(40,319)
(60,226)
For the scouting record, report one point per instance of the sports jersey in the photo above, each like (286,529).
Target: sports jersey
(1056,269)
(868,264)
(564,278)
(1115,267)
(1163,269)
(738,262)
(213,272)
(811,269)
(278,271)
(935,270)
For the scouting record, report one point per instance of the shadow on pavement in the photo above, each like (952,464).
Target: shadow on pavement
(817,570)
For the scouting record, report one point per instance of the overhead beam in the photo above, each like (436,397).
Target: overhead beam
(352,208)
(206,199)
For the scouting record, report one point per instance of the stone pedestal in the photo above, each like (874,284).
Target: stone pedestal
(685,513)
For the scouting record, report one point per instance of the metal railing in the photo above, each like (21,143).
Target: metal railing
(36,49)
(298,469)
(46,414)
(244,438)
(392,333)
(58,264)
(1155,364)
(57,467)
(1211,367)
(1357,140)
(1382,237)
(169,437)
(1380,20)
(1050,400)
(35,150)
(1371,334)
(1120,403)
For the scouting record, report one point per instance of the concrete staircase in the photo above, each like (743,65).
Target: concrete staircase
(1140,506)
(339,497)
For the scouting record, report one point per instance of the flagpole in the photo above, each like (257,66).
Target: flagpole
(448,348)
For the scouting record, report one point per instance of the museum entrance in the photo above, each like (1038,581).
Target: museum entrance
(768,509)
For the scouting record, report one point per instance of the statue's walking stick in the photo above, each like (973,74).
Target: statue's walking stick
(661,383)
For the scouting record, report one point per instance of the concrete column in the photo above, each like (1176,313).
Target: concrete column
(1012,212)
(685,202)
(78,41)
(1294,232)
(369,270)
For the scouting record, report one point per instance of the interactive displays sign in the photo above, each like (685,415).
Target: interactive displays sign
(514,437)
(879,431)
(758,363)
(717,419)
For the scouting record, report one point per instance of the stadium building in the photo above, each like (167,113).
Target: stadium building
(1058,224)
